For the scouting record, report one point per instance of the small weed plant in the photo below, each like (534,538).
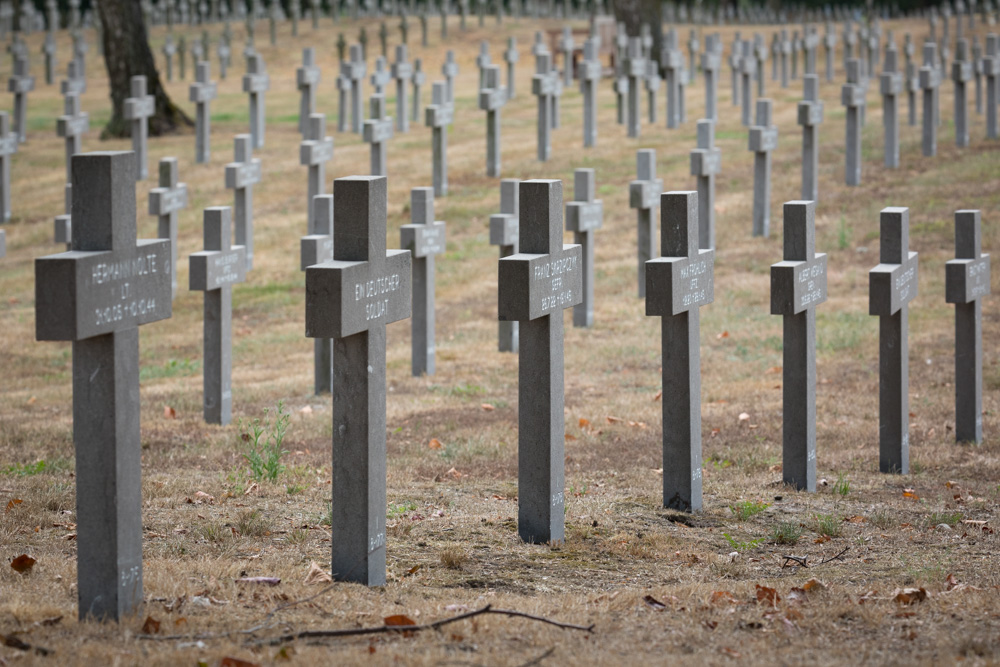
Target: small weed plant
(736,545)
(746,509)
(828,524)
(786,532)
(262,443)
(842,487)
(948,518)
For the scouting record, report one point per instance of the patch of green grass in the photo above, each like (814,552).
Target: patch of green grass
(843,234)
(739,546)
(396,511)
(842,486)
(786,532)
(25,469)
(261,441)
(828,524)
(252,523)
(746,509)
(882,518)
(949,518)
(170,369)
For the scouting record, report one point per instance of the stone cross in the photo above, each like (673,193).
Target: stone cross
(343,88)
(483,61)
(314,153)
(72,125)
(138,110)
(991,70)
(706,162)
(97,296)
(912,78)
(307,81)
(354,71)
(214,271)
(543,87)
(377,132)
(636,69)
(511,56)
(891,84)
(3,243)
(492,98)
(891,286)
(424,237)
(763,141)
(643,195)
(202,92)
(317,248)
(567,46)
(977,72)
(930,80)
(830,45)
(402,72)
(8,146)
(798,285)
(967,281)
(164,202)
(351,299)
(241,175)
(810,117)
(21,83)
(584,216)
(961,73)
(450,70)
(503,233)
(380,77)
(677,285)
(417,80)
(796,47)
(735,57)
(621,93)
(256,82)
(63,224)
(557,91)
(786,50)
(672,61)
(535,286)
(775,55)
(652,82)
(80,49)
(590,75)
(711,63)
(760,55)
(224,52)
(438,117)
(693,46)
(73,83)
(748,69)
(49,51)
(852,96)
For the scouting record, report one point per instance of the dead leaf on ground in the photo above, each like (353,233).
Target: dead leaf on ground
(169,412)
(434,444)
(398,620)
(658,396)
(744,417)
(613,420)
(454,473)
(724,334)
(722,597)
(769,595)
(570,437)
(23,563)
(151,626)
(584,423)
(653,603)
(488,407)
(725,650)
(813,585)
(911,494)
(821,539)
(905,596)
(797,596)
(237,662)
(12,503)
(317,575)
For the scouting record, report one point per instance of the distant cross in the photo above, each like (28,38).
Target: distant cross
(535,286)
(961,74)
(652,82)
(351,299)
(763,141)
(693,45)
(853,98)
(504,233)
(202,92)
(711,63)
(967,281)
(256,82)
(21,83)
(164,202)
(317,248)
(735,57)
(73,83)
(912,77)
(930,81)
(991,70)
(307,79)
(380,77)
(343,88)
(241,175)
(568,46)
(438,117)
(706,162)
(402,72)
(636,69)
(543,87)
(590,76)
(97,296)
(224,52)
(760,55)
(450,71)
(810,117)
(584,216)
(748,69)
(673,62)
(72,125)
(138,110)
(424,237)
(677,284)
(314,153)
(492,98)
(49,51)
(511,56)
(214,271)
(786,51)
(891,286)
(354,71)
(483,61)
(798,285)
(417,80)
(8,146)
(891,85)
(378,131)
(644,196)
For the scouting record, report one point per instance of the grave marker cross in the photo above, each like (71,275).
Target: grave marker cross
(450,70)
(961,73)
(8,146)
(711,63)
(636,69)
(991,70)
(930,79)
(644,195)
(438,117)
(241,175)
(138,109)
(810,116)
(354,71)
(21,83)
(307,79)
(74,82)
(492,98)
(424,237)
(504,233)
(317,248)
(256,82)
(314,153)
(706,162)
(584,216)
(202,92)
(853,98)
(402,72)
(378,130)
(590,75)
(543,87)
(72,125)
(511,56)
(763,141)
(891,84)
(164,202)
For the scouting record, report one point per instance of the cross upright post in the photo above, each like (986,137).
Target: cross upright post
(706,162)
(590,75)
(830,44)
(21,83)
(483,61)
(402,72)
(417,80)
(97,296)
(438,117)
(450,70)
(735,56)
(853,98)
(636,69)
(961,73)
(492,98)
(202,92)
(241,175)
(644,196)
(164,202)
(535,286)
(693,46)
(584,216)
(511,56)
(256,82)
(677,284)
(224,52)
(652,82)
(354,71)
(8,146)
(74,82)
(307,79)
(314,153)
(891,286)
(786,51)
(424,237)
(763,141)
(673,62)
(891,83)
(380,77)
(504,233)
(748,68)
(377,132)
(798,285)
(214,271)
(967,281)
(72,125)
(138,109)
(317,248)
(568,46)
(351,299)
(543,87)
(711,63)
(810,117)
(991,70)
(930,79)
(49,51)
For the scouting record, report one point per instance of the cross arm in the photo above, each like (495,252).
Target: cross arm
(678,284)
(967,279)
(212,269)
(423,240)
(798,285)
(533,286)
(892,286)
(164,201)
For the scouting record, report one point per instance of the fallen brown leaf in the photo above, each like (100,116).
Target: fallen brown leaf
(317,575)
(434,444)
(23,563)
(905,596)
(237,662)
(488,407)
(769,595)
(12,503)
(151,626)
(169,413)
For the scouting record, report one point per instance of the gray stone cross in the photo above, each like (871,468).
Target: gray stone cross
(97,296)
(672,61)
(535,286)
(891,85)
(241,175)
(590,76)
(810,117)
(967,281)
(74,82)
(991,71)
(567,46)
(380,77)
(852,96)
(402,72)
(785,51)
(317,248)
(438,117)
(307,79)
(343,89)
(351,299)
(644,196)
(314,153)
(735,58)
(829,46)
(504,233)
(930,80)
(202,92)
(492,98)
(354,71)
(798,285)
(584,216)
(711,63)
(72,125)
(693,45)
(678,284)
(961,74)
(450,70)
(377,132)
(652,82)
(8,146)
(912,78)
(511,56)
(621,94)
(256,82)
(21,83)
(214,271)
(49,51)
(164,202)
(424,237)
(635,66)
(417,80)
(224,53)
(763,141)
(138,109)
(891,286)
(543,87)
(483,61)
(706,162)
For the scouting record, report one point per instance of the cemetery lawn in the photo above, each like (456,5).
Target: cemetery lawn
(900,569)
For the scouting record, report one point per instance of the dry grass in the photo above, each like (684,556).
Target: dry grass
(452,532)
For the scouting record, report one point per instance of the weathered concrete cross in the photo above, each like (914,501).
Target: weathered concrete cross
(543,86)
(164,202)
(810,117)
(504,233)
(584,216)
(354,71)
(314,153)
(21,83)
(317,248)
(241,175)
(492,98)
(644,196)
(378,130)
(256,82)
(138,109)
(706,162)
(202,92)
(763,141)
(402,72)
(891,85)
(424,237)
(307,79)
(72,125)
(438,117)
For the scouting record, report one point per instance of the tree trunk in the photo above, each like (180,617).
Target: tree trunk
(634,13)
(127,54)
